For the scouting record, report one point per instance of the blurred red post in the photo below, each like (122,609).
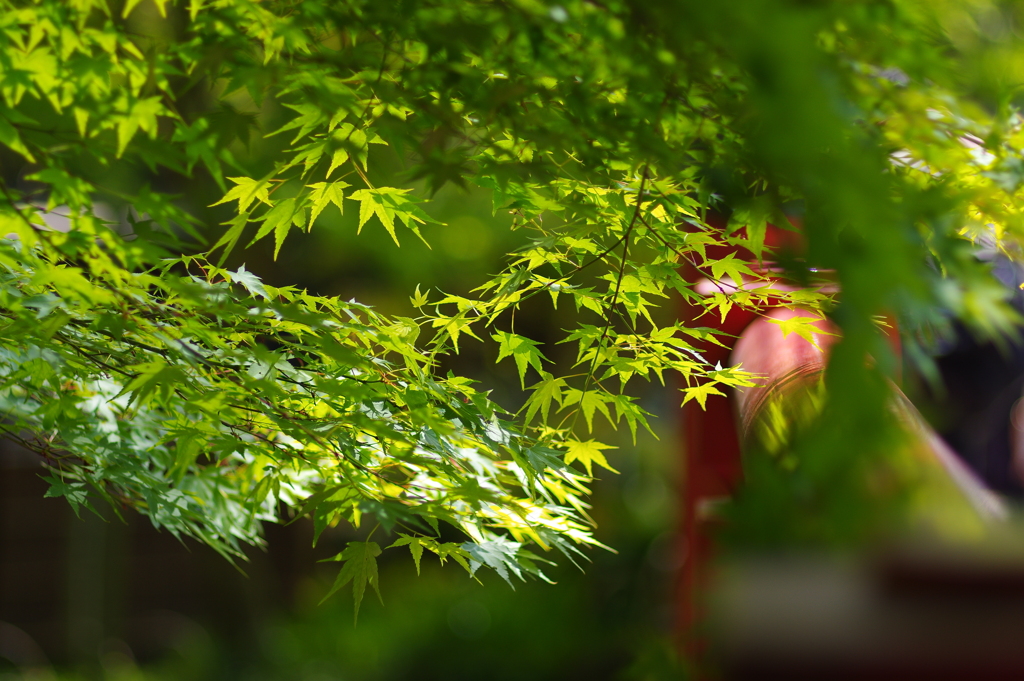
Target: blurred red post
(713,459)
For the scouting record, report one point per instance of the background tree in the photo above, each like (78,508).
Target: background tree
(148,372)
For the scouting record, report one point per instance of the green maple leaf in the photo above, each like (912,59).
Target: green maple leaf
(451,550)
(544,393)
(324,193)
(310,116)
(498,554)
(153,378)
(246,191)
(419,299)
(337,159)
(142,115)
(589,401)
(415,545)
(541,458)
(371,202)
(161,6)
(803,326)
(701,392)
(736,269)
(389,203)
(249,281)
(453,326)
(360,568)
(74,492)
(523,350)
(235,228)
(9,136)
(588,453)
(279,220)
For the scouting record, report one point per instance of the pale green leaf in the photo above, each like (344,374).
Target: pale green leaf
(588,453)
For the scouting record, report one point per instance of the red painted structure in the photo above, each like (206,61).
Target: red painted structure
(711,436)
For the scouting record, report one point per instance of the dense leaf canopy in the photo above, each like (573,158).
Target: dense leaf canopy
(147,373)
